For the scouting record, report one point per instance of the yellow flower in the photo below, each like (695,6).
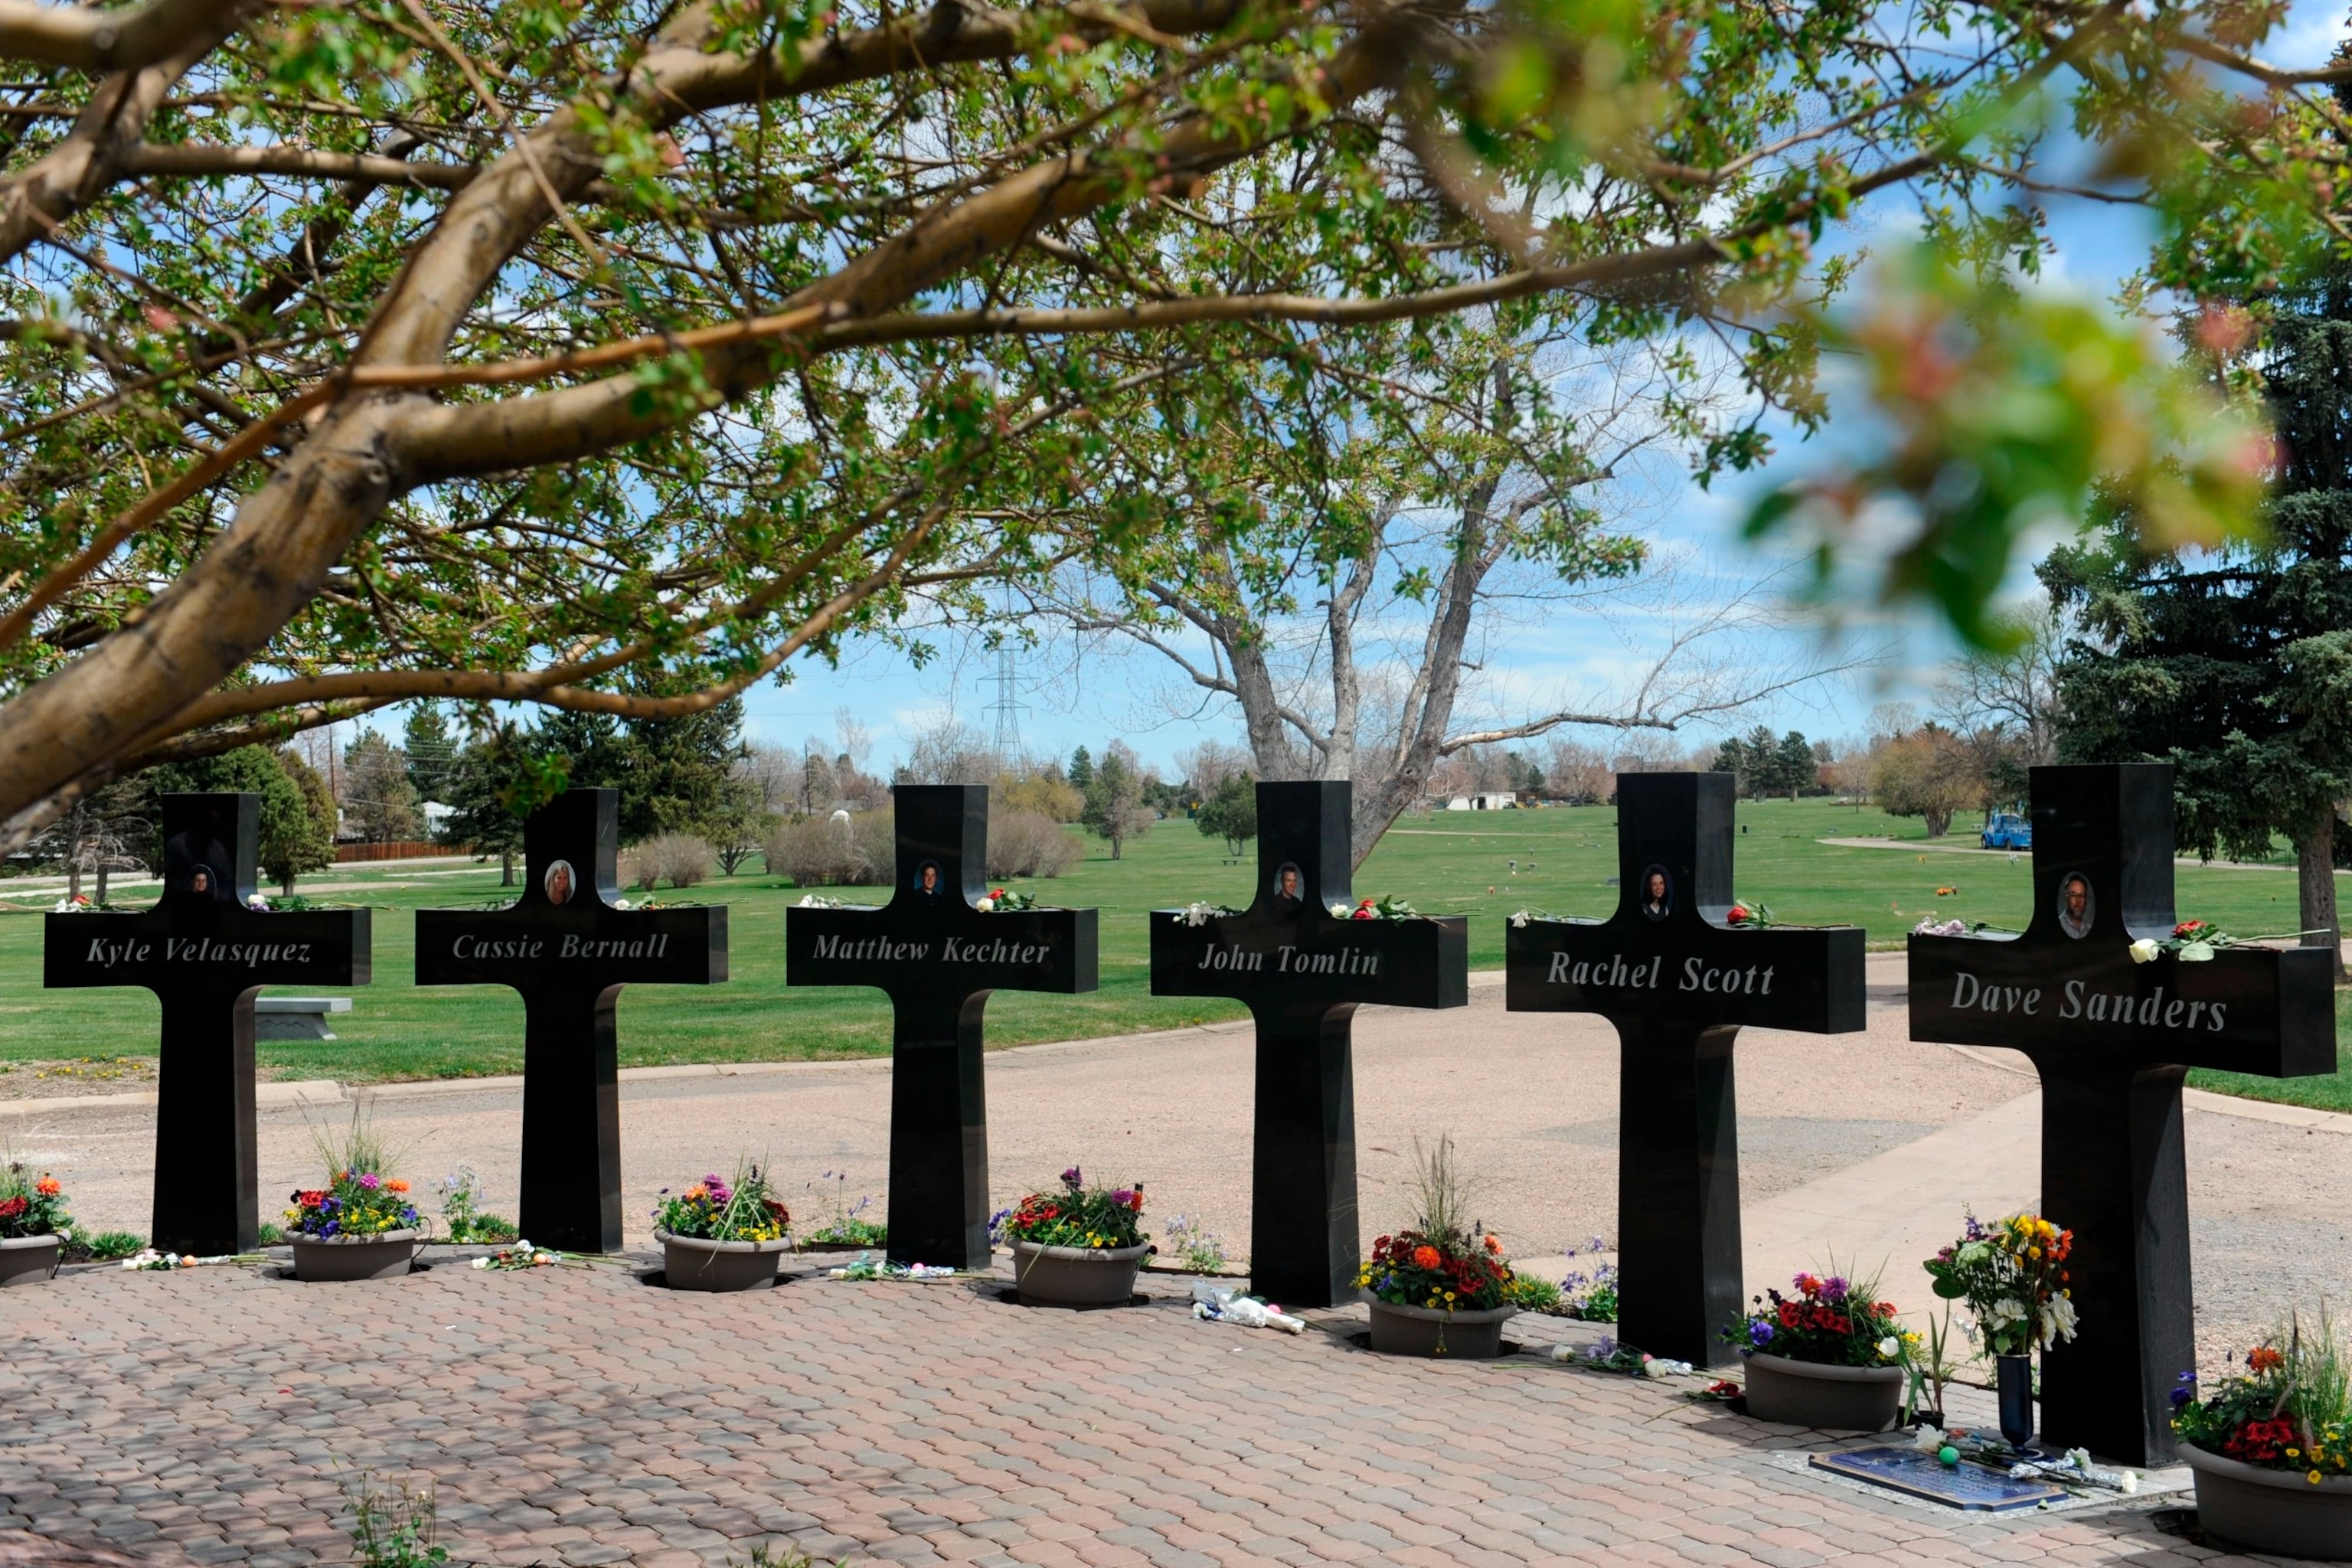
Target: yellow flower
(2315,1477)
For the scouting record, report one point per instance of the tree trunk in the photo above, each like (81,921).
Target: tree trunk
(2315,876)
(100,893)
(286,886)
(1939,823)
(73,878)
(506,868)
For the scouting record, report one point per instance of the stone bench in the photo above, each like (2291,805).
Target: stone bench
(295,1018)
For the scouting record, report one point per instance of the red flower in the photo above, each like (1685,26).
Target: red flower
(48,1187)
(2188,928)
(1427,1257)
(1739,913)
(1789,1317)
(11,1207)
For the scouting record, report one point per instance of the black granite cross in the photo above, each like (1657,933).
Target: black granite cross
(206,955)
(1303,971)
(1679,981)
(938,957)
(2112,1040)
(568,950)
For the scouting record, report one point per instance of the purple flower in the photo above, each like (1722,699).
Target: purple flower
(1072,1176)
(1123,1197)
(370,1179)
(1833,1289)
(1759,1335)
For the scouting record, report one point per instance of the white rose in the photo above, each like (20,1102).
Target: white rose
(984,905)
(2144,950)
(1889,1347)
(481,1263)
(620,903)
(1340,911)
(1519,921)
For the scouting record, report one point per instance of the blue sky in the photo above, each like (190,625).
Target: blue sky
(1579,652)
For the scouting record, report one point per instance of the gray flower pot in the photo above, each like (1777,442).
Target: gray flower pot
(1826,1398)
(383,1256)
(2279,1514)
(1076,1276)
(28,1260)
(1469,1334)
(691,1263)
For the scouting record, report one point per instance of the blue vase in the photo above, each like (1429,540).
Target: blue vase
(2016,1378)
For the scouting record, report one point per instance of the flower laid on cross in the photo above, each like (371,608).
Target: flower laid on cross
(1002,900)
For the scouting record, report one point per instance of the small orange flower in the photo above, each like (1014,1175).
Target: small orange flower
(48,1187)
(2266,1358)
(1494,1244)
(1427,1257)
(394,1184)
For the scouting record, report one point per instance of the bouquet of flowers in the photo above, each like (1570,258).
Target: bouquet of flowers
(31,1205)
(2290,1409)
(2191,941)
(1438,1261)
(1077,1216)
(715,1209)
(1004,901)
(1829,1322)
(2013,1275)
(352,1202)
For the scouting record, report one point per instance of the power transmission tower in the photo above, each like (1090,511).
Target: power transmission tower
(1008,706)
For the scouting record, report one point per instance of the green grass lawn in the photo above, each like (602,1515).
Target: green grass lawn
(1444,864)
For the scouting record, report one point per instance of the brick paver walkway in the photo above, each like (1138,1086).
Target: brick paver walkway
(582,1416)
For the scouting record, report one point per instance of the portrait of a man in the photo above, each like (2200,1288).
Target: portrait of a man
(1657,899)
(2076,909)
(1289,888)
(926,879)
(559,882)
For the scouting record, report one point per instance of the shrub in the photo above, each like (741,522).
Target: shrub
(832,852)
(679,859)
(1029,844)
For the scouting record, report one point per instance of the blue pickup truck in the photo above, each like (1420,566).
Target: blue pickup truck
(2008,830)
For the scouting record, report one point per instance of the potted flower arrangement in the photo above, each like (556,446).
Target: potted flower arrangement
(1078,1246)
(1831,1357)
(360,1226)
(2271,1447)
(2013,1275)
(33,1222)
(719,1235)
(1439,1287)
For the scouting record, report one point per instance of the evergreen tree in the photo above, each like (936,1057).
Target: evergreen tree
(2236,665)
(379,803)
(1231,812)
(292,840)
(678,775)
(312,847)
(1794,766)
(494,784)
(431,752)
(1081,768)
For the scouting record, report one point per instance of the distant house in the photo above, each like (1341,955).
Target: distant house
(1493,800)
